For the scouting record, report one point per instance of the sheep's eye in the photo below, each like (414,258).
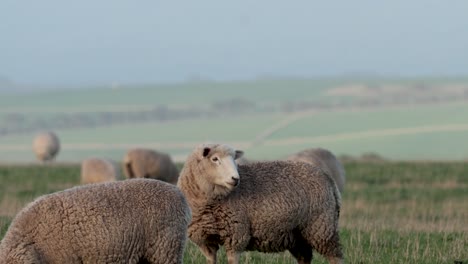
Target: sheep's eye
(215,159)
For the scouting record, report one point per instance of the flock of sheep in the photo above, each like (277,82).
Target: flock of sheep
(218,199)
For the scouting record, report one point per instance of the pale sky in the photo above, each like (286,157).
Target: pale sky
(100,42)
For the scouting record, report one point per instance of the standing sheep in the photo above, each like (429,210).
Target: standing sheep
(146,163)
(95,170)
(264,206)
(46,146)
(325,159)
(93,224)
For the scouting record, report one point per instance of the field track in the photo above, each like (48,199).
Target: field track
(262,138)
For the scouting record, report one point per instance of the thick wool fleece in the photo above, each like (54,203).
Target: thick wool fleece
(145,163)
(96,170)
(280,205)
(325,159)
(119,222)
(46,146)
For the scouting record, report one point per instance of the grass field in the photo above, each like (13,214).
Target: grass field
(341,122)
(175,94)
(392,212)
(263,91)
(434,130)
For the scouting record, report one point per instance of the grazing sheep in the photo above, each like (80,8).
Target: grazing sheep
(46,146)
(146,163)
(325,159)
(137,221)
(264,206)
(95,170)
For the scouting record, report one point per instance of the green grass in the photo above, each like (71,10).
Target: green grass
(195,93)
(262,91)
(21,184)
(425,146)
(357,121)
(383,130)
(219,129)
(392,212)
(29,181)
(113,142)
(351,133)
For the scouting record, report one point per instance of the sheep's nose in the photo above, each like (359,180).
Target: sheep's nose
(236,181)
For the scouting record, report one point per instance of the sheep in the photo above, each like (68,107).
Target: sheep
(146,163)
(325,159)
(46,146)
(269,206)
(134,221)
(94,170)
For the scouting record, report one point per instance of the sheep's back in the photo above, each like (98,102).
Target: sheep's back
(98,218)
(325,159)
(152,164)
(279,197)
(94,170)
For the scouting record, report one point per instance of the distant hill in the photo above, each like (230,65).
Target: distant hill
(6,85)
(9,86)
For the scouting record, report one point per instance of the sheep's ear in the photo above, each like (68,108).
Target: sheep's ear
(206,151)
(239,153)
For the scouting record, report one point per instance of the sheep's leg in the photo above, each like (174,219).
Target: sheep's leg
(209,251)
(335,260)
(302,252)
(327,246)
(233,257)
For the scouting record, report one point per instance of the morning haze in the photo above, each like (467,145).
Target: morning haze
(62,44)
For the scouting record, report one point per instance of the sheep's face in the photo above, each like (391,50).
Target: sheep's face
(220,168)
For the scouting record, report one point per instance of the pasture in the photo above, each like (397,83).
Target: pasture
(431,132)
(392,212)
(400,119)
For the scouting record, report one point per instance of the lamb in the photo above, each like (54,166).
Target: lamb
(146,163)
(325,159)
(264,206)
(135,221)
(95,170)
(46,146)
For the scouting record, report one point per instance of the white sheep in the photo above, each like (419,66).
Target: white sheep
(135,221)
(265,206)
(46,146)
(146,163)
(95,170)
(325,159)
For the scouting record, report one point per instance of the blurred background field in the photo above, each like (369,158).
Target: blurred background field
(398,119)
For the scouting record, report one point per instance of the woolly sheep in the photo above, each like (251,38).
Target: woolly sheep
(95,170)
(325,159)
(46,146)
(137,221)
(146,163)
(265,206)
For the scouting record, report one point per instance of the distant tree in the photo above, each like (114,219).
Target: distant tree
(371,156)
(236,104)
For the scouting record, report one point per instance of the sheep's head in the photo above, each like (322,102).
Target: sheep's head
(217,165)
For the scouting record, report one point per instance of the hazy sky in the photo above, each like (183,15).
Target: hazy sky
(105,41)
